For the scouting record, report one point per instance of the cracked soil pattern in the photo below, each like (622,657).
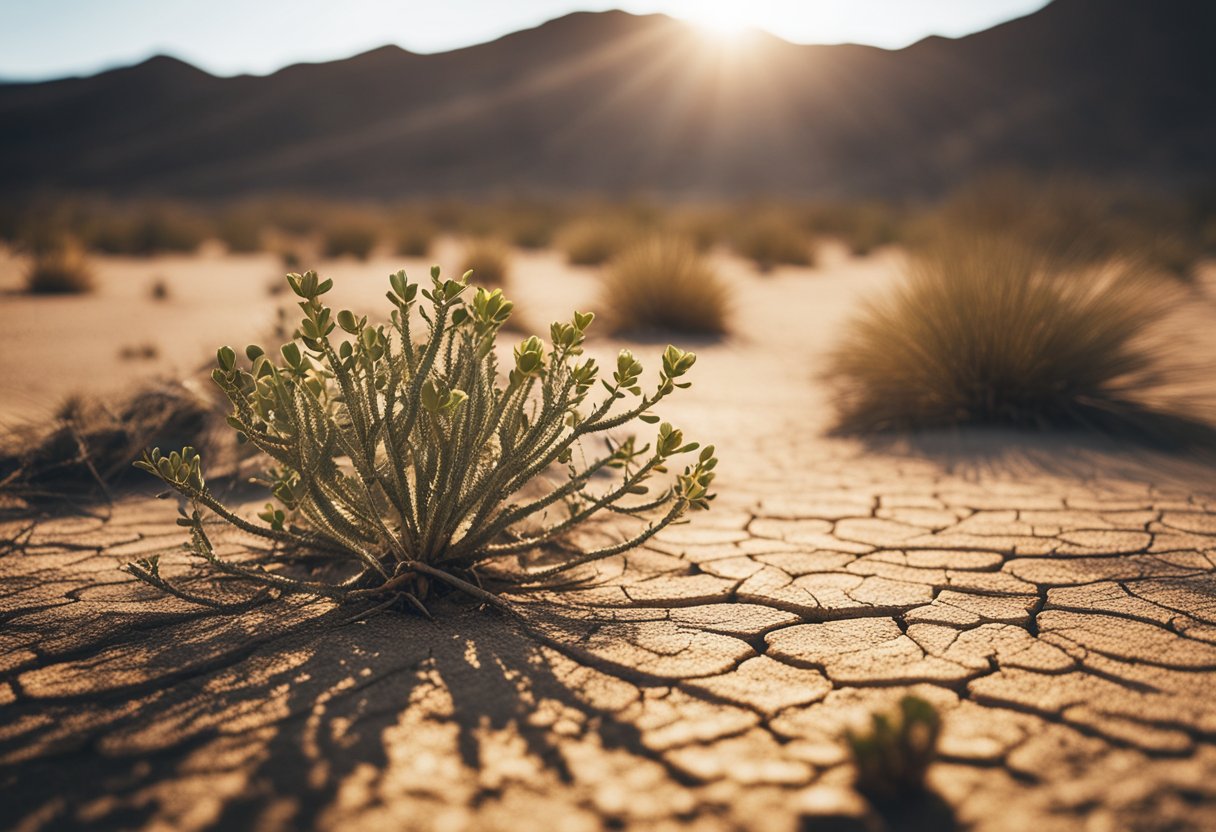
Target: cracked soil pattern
(1057,603)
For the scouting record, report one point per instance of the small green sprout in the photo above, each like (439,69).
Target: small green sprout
(893,757)
(403,458)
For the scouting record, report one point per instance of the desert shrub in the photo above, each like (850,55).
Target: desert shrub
(490,261)
(89,446)
(159,290)
(404,457)
(592,242)
(894,755)
(771,240)
(62,270)
(138,352)
(145,231)
(352,238)
(290,259)
(662,284)
(862,226)
(986,331)
(1075,220)
(703,226)
(240,231)
(415,238)
(530,226)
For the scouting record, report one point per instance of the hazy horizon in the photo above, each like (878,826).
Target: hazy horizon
(60,38)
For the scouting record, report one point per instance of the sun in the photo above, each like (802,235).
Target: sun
(722,19)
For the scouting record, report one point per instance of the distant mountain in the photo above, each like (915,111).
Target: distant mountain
(616,102)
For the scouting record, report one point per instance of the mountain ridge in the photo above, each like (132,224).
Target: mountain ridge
(614,102)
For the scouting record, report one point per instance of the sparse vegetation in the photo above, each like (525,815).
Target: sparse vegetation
(662,284)
(863,227)
(415,239)
(771,240)
(159,290)
(704,226)
(1075,221)
(402,461)
(90,445)
(893,757)
(138,352)
(240,231)
(986,331)
(351,238)
(531,227)
(291,260)
(145,230)
(489,260)
(61,270)
(592,242)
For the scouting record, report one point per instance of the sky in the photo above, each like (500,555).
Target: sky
(53,38)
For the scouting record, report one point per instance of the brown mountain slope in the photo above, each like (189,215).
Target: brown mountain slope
(618,102)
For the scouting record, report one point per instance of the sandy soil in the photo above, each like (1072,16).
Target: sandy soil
(1052,596)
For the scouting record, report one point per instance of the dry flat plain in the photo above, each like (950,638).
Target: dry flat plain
(1055,597)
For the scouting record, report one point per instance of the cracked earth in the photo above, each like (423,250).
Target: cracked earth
(1054,597)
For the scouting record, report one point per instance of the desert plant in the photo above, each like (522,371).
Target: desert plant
(62,270)
(89,445)
(159,290)
(489,260)
(862,226)
(145,231)
(704,226)
(291,259)
(986,331)
(139,352)
(351,238)
(893,757)
(406,461)
(240,231)
(662,284)
(592,242)
(1076,220)
(531,227)
(414,239)
(771,240)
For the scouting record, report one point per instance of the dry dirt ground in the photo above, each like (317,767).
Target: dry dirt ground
(1054,597)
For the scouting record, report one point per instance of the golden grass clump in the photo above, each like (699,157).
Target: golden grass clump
(771,240)
(62,270)
(987,331)
(594,241)
(663,284)
(490,261)
(351,238)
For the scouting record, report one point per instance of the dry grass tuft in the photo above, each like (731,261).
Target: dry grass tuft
(61,270)
(90,445)
(490,261)
(593,242)
(241,231)
(415,239)
(986,331)
(145,231)
(662,284)
(353,238)
(1076,221)
(771,240)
